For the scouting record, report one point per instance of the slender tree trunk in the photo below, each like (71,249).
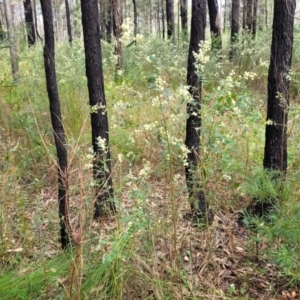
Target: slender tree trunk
(150,16)
(184,16)
(170,18)
(215,24)
(244,14)
(254,17)
(2,32)
(275,155)
(99,121)
(108,20)
(163,19)
(158,18)
(266,13)
(69,28)
(235,15)
(199,205)
(29,22)
(58,130)
(249,14)
(134,18)
(12,42)
(225,16)
(117,33)
(36,21)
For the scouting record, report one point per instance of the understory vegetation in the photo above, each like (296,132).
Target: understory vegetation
(151,249)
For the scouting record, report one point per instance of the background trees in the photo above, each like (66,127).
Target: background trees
(29,22)
(12,42)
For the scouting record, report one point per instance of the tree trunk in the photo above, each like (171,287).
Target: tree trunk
(199,205)
(134,18)
(108,20)
(163,20)
(215,24)
(99,121)
(266,13)
(69,29)
(117,33)
(254,18)
(29,22)
(170,18)
(235,15)
(249,14)
(12,42)
(36,21)
(275,154)
(225,16)
(244,15)
(56,121)
(184,16)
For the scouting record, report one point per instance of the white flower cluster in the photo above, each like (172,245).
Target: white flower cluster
(202,57)
(184,94)
(89,158)
(101,142)
(127,30)
(145,171)
(249,75)
(96,107)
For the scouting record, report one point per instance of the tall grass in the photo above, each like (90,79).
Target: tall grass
(150,249)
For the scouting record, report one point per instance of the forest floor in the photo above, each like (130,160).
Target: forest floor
(221,261)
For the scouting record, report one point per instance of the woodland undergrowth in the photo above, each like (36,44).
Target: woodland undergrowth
(150,249)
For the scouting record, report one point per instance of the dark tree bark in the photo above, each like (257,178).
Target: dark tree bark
(69,28)
(254,18)
(12,42)
(275,155)
(56,121)
(249,14)
(2,32)
(184,16)
(199,205)
(116,7)
(170,18)
(244,15)
(99,120)
(215,24)
(134,17)
(163,20)
(235,15)
(106,8)
(29,22)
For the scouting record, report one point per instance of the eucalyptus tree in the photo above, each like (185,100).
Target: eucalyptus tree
(68,18)
(184,16)
(170,19)
(99,120)
(117,22)
(254,18)
(215,24)
(135,17)
(12,41)
(275,154)
(56,121)
(235,15)
(199,205)
(29,21)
